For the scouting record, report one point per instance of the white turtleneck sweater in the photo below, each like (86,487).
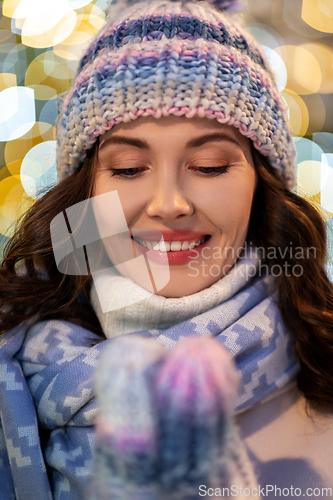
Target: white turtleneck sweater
(123,306)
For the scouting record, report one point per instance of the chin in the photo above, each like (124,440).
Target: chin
(178,290)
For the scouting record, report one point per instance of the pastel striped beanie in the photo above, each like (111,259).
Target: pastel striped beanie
(160,58)
(165,429)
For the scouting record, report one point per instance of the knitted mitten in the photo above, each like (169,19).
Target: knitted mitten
(165,429)
(126,441)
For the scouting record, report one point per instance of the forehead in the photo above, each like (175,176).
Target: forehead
(172,137)
(173,128)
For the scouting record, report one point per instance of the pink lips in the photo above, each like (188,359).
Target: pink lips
(180,257)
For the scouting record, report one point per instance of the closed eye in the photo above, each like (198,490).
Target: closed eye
(127,173)
(133,173)
(212,171)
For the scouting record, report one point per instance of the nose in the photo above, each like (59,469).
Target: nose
(169,201)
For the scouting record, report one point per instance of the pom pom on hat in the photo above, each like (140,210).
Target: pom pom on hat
(119,7)
(165,425)
(231,5)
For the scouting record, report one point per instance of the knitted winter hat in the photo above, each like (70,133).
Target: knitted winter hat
(159,58)
(165,426)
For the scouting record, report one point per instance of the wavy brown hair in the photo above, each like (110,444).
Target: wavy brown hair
(279,219)
(25,294)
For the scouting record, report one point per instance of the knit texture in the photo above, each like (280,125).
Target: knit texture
(239,310)
(231,5)
(164,58)
(110,292)
(165,425)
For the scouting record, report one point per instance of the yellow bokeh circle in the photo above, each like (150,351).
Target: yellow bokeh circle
(318,14)
(16,150)
(73,47)
(14,202)
(49,70)
(33,38)
(298,113)
(309,177)
(324,57)
(304,71)
(88,24)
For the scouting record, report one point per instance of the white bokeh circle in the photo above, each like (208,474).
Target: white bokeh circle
(279,68)
(38,169)
(18,114)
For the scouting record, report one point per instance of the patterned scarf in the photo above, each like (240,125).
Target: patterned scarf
(240,311)
(46,378)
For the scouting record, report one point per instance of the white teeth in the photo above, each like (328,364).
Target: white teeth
(165,246)
(174,246)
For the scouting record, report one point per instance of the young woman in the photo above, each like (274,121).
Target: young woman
(175,110)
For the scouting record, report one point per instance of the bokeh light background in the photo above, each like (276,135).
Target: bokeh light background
(41,42)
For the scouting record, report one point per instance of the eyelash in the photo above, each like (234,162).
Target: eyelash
(206,171)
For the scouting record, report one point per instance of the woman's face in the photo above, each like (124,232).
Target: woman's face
(191,179)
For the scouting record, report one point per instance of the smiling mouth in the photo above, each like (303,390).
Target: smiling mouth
(172,246)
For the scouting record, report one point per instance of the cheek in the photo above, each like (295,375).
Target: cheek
(103,183)
(230,202)
(131,198)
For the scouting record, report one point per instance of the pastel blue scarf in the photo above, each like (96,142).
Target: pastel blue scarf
(46,378)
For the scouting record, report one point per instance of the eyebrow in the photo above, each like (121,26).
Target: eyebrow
(193,143)
(217,136)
